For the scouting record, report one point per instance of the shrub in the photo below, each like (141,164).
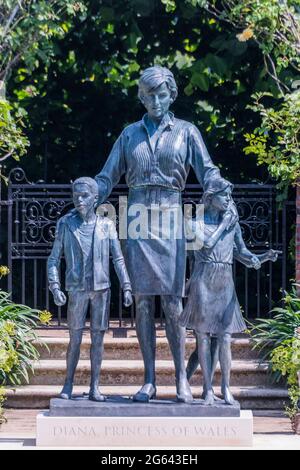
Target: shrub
(278,339)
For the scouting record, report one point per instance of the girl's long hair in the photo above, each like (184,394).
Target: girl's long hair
(213,187)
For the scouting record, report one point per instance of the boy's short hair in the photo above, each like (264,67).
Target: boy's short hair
(90,182)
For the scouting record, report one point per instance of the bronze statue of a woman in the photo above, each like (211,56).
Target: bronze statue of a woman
(155,155)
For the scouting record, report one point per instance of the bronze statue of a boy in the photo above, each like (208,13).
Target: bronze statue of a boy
(86,240)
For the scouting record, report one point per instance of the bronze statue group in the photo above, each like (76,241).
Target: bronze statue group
(155,155)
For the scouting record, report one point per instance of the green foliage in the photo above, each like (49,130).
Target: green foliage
(278,339)
(169,4)
(2,400)
(275,27)
(273,24)
(276,140)
(82,93)
(286,360)
(294,396)
(27,29)
(270,333)
(17,337)
(80,99)
(12,140)
(18,341)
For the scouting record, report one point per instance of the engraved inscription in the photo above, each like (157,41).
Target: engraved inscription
(74,431)
(189,431)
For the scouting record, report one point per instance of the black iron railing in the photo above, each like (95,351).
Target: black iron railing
(30,212)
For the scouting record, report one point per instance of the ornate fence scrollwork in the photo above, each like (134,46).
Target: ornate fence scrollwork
(34,208)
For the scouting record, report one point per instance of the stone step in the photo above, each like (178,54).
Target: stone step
(250,397)
(125,372)
(128,348)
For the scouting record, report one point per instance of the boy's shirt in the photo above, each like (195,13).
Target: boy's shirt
(86,234)
(92,263)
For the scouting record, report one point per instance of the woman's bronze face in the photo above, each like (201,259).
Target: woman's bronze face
(157,101)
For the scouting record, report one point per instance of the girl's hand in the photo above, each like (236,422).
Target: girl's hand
(227,216)
(234,214)
(229,219)
(273,254)
(226,219)
(256,264)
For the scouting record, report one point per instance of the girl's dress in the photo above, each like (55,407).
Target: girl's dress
(212,305)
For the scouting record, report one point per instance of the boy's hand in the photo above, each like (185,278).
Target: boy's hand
(128,298)
(59,297)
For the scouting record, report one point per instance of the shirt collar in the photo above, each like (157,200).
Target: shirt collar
(167,121)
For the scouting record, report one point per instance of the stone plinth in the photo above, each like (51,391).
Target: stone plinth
(121,423)
(121,406)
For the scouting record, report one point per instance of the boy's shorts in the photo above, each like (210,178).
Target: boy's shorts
(79,301)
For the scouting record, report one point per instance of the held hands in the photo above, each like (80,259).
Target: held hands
(128,298)
(59,297)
